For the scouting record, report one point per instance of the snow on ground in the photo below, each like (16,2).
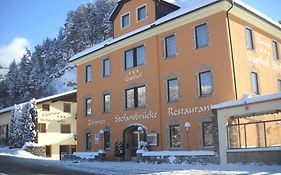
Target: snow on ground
(123,168)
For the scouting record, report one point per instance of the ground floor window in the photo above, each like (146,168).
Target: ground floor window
(88,137)
(48,150)
(106,140)
(175,140)
(254,131)
(207,130)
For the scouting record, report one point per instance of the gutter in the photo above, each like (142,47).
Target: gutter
(231,50)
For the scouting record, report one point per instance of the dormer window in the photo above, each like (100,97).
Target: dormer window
(141,13)
(126,20)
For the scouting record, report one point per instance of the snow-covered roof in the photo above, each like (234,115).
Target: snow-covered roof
(186,6)
(42,99)
(248,100)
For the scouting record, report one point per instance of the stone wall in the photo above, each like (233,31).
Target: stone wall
(36,150)
(201,159)
(260,157)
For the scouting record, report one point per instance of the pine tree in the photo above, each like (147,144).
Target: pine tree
(12,83)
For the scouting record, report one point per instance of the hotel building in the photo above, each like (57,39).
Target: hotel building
(166,64)
(56,125)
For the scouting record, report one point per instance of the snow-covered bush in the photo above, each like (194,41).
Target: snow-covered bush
(119,149)
(23,124)
(143,145)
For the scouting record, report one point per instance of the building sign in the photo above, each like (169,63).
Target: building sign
(133,75)
(136,117)
(187,111)
(53,116)
(152,139)
(96,122)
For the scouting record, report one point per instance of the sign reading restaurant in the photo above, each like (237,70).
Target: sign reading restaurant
(186,111)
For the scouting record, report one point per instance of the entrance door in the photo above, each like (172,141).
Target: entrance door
(67,149)
(131,139)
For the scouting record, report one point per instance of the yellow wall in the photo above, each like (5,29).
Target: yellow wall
(53,119)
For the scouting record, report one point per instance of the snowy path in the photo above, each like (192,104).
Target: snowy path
(123,168)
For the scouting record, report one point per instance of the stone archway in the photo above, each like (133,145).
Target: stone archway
(132,135)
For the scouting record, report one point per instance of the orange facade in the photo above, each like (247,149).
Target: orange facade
(186,65)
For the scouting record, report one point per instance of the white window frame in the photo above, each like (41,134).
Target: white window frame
(165,46)
(121,20)
(195,47)
(253,38)
(137,14)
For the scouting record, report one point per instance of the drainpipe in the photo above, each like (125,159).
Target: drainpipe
(231,49)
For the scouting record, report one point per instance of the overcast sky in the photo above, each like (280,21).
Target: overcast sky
(26,23)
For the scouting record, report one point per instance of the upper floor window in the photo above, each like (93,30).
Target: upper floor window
(254,81)
(249,39)
(88,73)
(65,128)
(173,89)
(42,127)
(88,106)
(67,107)
(106,67)
(135,97)
(46,107)
(141,13)
(207,128)
(170,46)
(201,35)
(175,140)
(275,50)
(125,20)
(205,83)
(134,57)
(106,103)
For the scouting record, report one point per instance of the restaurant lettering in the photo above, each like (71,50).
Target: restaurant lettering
(186,111)
(136,116)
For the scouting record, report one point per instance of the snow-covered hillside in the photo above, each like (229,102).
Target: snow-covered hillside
(64,80)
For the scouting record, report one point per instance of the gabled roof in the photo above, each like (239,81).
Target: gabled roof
(187,7)
(52,97)
(120,4)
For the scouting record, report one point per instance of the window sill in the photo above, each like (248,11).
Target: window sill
(206,96)
(173,101)
(201,47)
(170,57)
(140,107)
(131,68)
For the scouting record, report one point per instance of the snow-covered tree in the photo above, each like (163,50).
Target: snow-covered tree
(23,124)
(12,83)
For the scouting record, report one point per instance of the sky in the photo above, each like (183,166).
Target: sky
(26,23)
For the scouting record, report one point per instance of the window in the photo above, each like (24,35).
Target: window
(106,67)
(46,107)
(175,141)
(134,57)
(173,89)
(249,39)
(106,103)
(48,150)
(275,50)
(67,107)
(141,13)
(279,85)
(42,127)
(254,81)
(88,73)
(201,35)
(88,137)
(207,128)
(65,128)
(205,83)
(88,106)
(135,97)
(125,20)
(106,140)
(170,46)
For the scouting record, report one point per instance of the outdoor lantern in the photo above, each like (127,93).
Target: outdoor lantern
(187,125)
(101,131)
